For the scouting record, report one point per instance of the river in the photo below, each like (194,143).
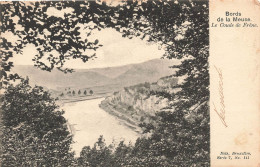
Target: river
(88,122)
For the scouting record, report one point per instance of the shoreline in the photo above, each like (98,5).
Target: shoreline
(61,102)
(78,100)
(123,118)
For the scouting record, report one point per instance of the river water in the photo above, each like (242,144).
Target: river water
(88,122)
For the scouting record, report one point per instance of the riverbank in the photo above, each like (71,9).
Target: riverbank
(125,119)
(71,99)
(80,99)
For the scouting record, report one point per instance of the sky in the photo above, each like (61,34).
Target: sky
(116,51)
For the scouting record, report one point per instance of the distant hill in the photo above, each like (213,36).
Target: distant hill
(149,71)
(56,79)
(111,72)
(121,76)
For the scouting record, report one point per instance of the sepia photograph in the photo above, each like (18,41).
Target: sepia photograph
(105,83)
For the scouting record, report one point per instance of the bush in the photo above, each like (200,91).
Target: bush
(35,132)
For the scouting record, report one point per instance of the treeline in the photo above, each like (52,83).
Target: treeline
(74,92)
(149,152)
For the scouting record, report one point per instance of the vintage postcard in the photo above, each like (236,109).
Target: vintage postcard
(130,83)
(234,83)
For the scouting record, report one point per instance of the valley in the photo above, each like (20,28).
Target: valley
(102,82)
(110,101)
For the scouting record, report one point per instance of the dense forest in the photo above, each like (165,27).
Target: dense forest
(34,131)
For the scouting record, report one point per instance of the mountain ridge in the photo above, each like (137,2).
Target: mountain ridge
(149,71)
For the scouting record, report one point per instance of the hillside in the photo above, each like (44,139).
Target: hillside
(137,104)
(149,71)
(100,80)
(56,79)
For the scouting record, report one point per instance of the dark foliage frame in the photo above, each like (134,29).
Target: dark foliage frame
(181,27)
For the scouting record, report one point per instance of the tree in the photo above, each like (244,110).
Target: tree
(99,155)
(79,92)
(85,92)
(91,92)
(35,132)
(73,93)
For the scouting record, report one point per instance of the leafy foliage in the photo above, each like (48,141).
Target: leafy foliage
(35,132)
(98,156)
